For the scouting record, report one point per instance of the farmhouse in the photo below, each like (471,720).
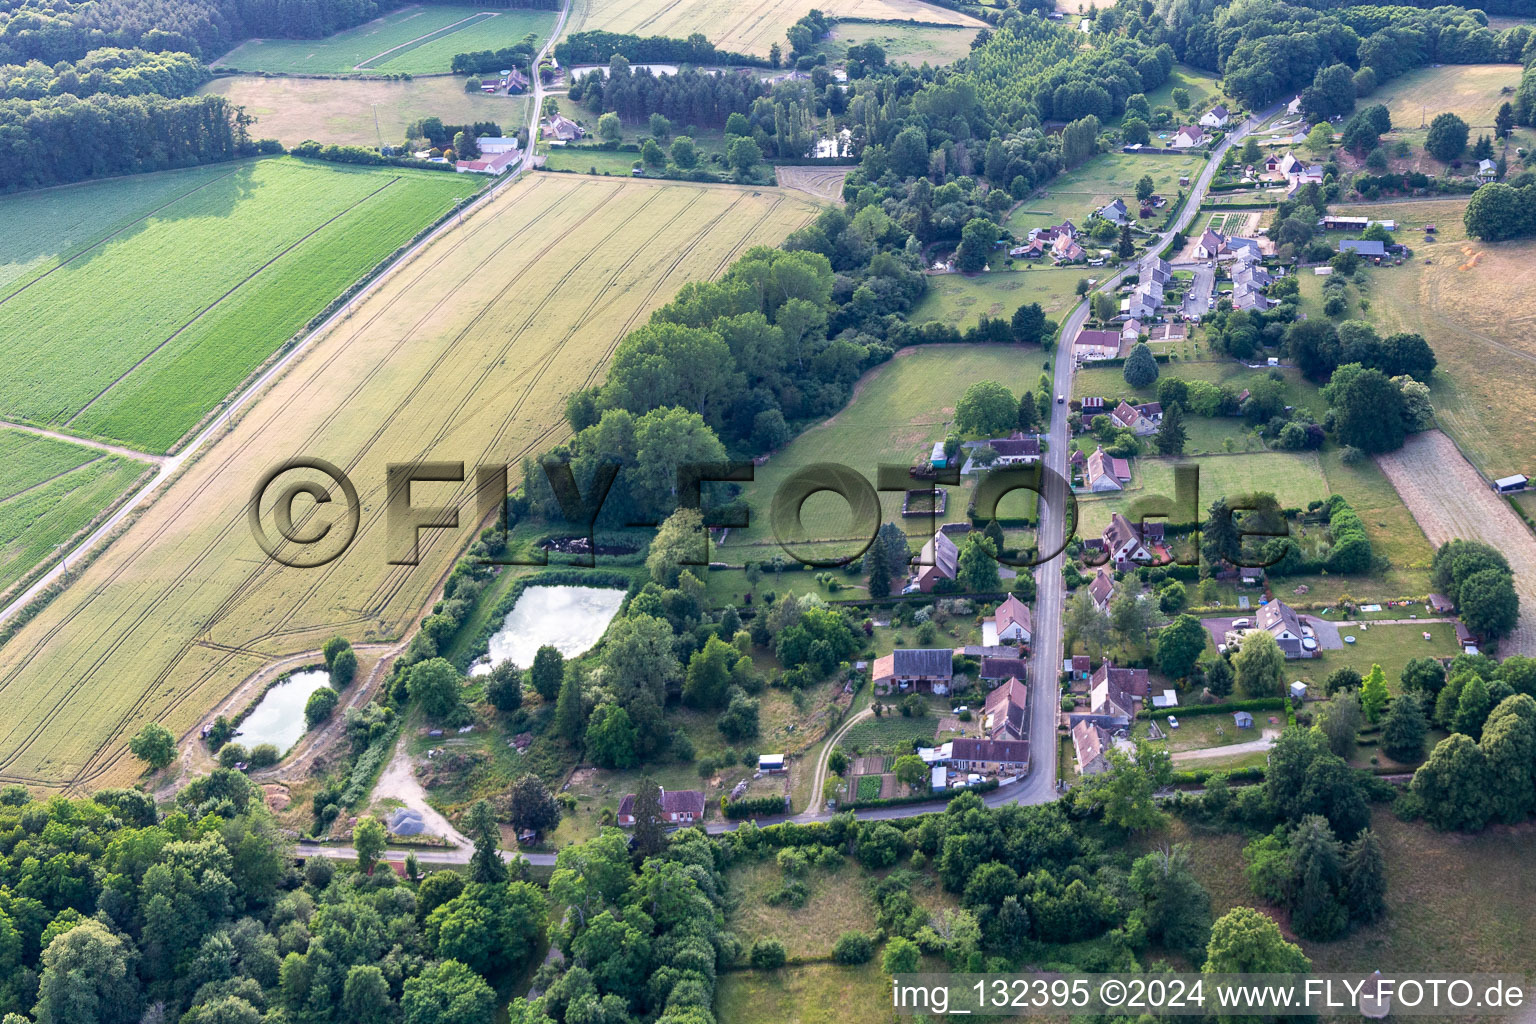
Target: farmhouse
(1216,117)
(1003,716)
(989,755)
(1013,621)
(1106,473)
(939,560)
(492,165)
(1092,346)
(679,807)
(919,670)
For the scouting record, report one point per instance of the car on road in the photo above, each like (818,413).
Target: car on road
(1060,399)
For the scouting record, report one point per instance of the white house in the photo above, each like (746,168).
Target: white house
(1013,621)
(1188,137)
(1216,117)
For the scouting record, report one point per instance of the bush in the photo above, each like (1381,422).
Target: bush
(853,948)
(264,755)
(753,806)
(768,954)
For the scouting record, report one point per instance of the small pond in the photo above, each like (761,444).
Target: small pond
(571,619)
(278,718)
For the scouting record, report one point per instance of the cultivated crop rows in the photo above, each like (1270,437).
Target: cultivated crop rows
(467,353)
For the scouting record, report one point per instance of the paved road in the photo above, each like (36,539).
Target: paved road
(1197,301)
(1039,786)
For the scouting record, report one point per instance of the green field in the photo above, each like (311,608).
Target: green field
(417,40)
(49,491)
(898,411)
(903,44)
(1077,193)
(133,326)
(960,300)
(1391,647)
(1293,477)
(1472,92)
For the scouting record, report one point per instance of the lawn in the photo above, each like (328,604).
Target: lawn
(1198,732)
(1293,477)
(415,40)
(1391,647)
(134,333)
(50,491)
(1473,301)
(744,28)
(1204,91)
(1077,193)
(361,112)
(903,44)
(898,411)
(960,300)
(468,352)
(1472,92)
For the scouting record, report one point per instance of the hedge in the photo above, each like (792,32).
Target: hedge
(1252,704)
(1201,775)
(753,806)
(921,798)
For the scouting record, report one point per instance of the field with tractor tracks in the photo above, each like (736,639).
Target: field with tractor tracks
(465,353)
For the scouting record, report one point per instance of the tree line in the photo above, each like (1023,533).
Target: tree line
(108,70)
(598,47)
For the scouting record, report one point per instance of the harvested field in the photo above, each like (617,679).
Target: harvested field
(1470,91)
(416,40)
(360,112)
(744,27)
(823,183)
(903,44)
(465,353)
(137,323)
(1450,500)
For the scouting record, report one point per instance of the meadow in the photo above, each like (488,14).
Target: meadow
(1108,176)
(898,411)
(1472,92)
(50,491)
(903,44)
(745,28)
(1293,477)
(416,40)
(960,300)
(361,112)
(467,352)
(150,322)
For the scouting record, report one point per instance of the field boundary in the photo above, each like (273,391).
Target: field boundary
(433,36)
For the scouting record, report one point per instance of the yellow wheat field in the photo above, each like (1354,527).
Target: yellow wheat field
(465,354)
(746,26)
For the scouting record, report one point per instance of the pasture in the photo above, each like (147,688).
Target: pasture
(49,492)
(898,411)
(1475,303)
(1109,176)
(415,40)
(360,112)
(1472,92)
(135,324)
(467,352)
(960,300)
(744,28)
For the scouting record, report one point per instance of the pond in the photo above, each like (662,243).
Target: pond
(278,717)
(570,619)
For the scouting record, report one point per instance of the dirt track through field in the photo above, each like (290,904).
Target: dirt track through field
(1450,500)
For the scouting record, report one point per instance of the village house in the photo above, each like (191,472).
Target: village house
(1188,137)
(989,755)
(1066,250)
(1129,545)
(1130,331)
(1093,406)
(560,128)
(1281,621)
(1140,420)
(1101,589)
(1246,296)
(1017,450)
(1210,245)
(939,560)
(1012,622)
(1003,716)
(679,807)
(915,670)
(1216,117)
(1114,694)
(1115,212)
(1140,304)
(1078,668)
(1091,743)
(1092,346)
(999,670)
(1105,472)
(1487,170)
(492,165)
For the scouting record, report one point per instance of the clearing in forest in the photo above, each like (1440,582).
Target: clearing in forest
(465,353)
